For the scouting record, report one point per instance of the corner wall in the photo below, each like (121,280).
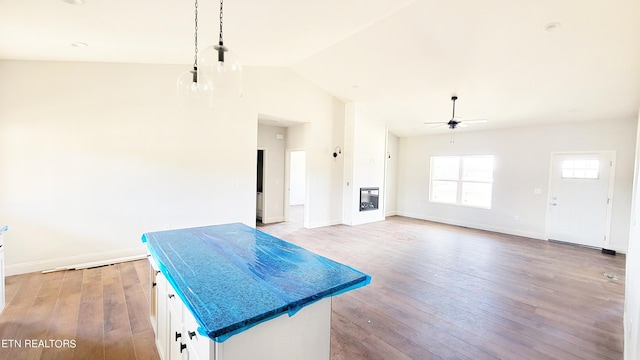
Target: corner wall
(391,175)
(283,94)
(632,285)
(364,153)
(93,155)
(273,182)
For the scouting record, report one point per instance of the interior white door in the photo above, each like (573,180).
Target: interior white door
(579,198)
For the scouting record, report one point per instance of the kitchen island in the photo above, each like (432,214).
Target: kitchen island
(229,292)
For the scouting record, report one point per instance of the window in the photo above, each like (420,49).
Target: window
(580,169)
(462,180)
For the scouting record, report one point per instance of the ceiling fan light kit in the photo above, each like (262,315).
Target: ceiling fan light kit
(453,123)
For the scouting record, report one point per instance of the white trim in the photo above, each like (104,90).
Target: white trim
(478,226)
(612,174)
(263,213)
(607,224)
(325,223)
(273,220)
(80,261)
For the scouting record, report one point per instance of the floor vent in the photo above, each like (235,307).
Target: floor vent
(611,276)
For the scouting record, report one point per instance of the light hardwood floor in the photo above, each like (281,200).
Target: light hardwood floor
(437,292)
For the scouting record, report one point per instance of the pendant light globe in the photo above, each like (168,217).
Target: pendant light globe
(192,88)
(221,67)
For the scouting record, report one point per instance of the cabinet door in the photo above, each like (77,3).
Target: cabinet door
(177,346)
(153,299)
(162,332)
(198,345)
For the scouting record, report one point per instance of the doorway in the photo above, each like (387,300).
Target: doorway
(580,197)
(297,187)
(260,185)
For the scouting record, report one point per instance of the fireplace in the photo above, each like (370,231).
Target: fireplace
(369,198)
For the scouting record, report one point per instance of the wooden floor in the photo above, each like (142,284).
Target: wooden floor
(103,310)
(437,292)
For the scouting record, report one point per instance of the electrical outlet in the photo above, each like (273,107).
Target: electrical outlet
(517,217)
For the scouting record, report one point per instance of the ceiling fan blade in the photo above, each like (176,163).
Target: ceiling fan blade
(435,122)
(462,125)
(439,124)
(475,121)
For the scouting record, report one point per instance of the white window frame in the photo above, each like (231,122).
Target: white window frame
(460,180)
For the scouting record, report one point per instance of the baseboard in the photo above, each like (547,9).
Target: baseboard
(324,223)
(617,250)
(273,220)
(391,213)
(516,232)
(78,261)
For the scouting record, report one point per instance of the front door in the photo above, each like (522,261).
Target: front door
(580,198)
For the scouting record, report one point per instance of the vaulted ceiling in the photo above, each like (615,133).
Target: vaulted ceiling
(402,59)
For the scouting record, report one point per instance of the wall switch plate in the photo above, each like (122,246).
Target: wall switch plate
(537,191)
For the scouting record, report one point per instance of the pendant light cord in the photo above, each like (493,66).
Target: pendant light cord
(220,39)
(195,36)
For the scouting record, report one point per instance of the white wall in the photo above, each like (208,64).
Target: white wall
(273,181)
(522,157)
(364,153)
(92,155)
(632,284)
(297,178)
(297,137)
(391,176)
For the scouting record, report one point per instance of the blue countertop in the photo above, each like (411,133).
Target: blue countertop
(232,277)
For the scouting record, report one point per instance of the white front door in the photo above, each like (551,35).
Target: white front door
(580,199)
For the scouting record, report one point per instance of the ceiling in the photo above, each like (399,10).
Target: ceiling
(402,59)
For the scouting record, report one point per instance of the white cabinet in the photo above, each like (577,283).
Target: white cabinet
(162,330)
(153,299)
(177,346)
(306,335)
(166,316)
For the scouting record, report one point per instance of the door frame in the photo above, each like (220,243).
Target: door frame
(612,176)
(264,181)
(287,185)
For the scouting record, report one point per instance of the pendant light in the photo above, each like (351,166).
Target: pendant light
(221,67)
(191,87)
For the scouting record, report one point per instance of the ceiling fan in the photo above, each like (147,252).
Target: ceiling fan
(455,122)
